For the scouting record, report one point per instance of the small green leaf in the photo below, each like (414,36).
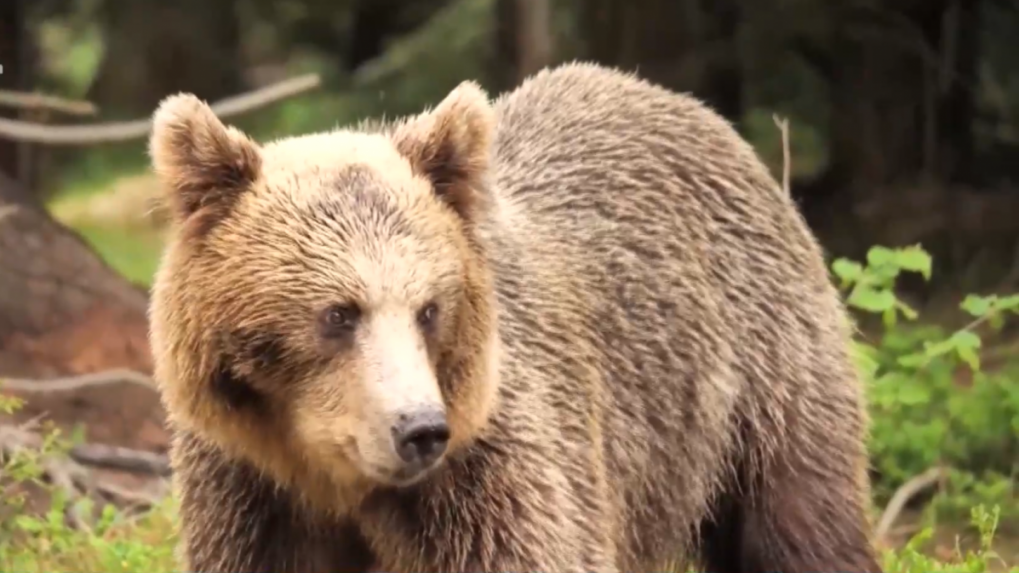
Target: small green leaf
(914,360)
(880,256)
(847,270)
(996,321)
(938,347)
(1009,303)
(28,524)
(906,310)
(913,393)
(965,339)
(866,298)
(865,359)
(976,305)
(888,317)
(970,357)
(881,275)
(914,259)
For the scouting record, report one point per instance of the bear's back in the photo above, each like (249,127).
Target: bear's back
(645,254)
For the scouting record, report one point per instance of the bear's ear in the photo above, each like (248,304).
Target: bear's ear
(203,165)
(451,146)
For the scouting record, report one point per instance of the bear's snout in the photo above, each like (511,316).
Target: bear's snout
(420,436)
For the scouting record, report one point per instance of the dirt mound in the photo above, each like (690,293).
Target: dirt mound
(66,313)
(120,413)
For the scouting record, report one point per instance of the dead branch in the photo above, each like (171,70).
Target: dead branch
(72,383)
(534,36)
(113,132)
(783,127)
(37,101)
(137,499)
(124,459)
(906,492)
(91,455)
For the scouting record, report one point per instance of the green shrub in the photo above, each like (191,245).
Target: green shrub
(44,542)
(910,559)
(922,413)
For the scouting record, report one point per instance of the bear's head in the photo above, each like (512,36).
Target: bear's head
(324,308)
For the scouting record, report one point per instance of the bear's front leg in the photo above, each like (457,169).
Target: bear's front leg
(233,521)
(499,509)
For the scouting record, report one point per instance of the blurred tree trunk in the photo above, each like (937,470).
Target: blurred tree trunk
(523,40)
(958,83)
(62,309)
(901,88)
(901,80)
(686,45)
(723,78)
(376,22)
(534,36)
(373,23)
(353,32)
(505,56)
(10,51)
(17,59)
(154,49)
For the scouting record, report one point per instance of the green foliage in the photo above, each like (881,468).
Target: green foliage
(43,541)
(910,559)
(930,401)
(133,251)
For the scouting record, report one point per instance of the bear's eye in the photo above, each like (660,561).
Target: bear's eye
(340,319)
(426,316)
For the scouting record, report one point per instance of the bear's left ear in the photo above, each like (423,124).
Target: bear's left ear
(203,164)
(451,146)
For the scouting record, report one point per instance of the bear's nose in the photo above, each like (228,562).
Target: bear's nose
(421,436)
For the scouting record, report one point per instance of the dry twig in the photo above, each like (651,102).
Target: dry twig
(118,458)
(113,132)
(37,101)
(787,162)
(906,492)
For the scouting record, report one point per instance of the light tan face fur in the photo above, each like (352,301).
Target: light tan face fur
(318,290)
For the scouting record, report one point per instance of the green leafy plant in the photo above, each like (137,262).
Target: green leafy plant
(44,542)
(923,411)
(911,559)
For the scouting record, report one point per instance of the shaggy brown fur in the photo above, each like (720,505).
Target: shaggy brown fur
(637,345)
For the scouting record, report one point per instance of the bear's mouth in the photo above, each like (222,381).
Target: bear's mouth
(409,475)
(400,476)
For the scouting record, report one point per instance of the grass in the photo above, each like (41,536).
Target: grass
(131,251)
(116,543)
(116,223)
(120,544)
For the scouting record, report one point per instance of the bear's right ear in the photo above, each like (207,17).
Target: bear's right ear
(204,165)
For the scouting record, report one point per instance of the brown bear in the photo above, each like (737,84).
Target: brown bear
(577,328)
